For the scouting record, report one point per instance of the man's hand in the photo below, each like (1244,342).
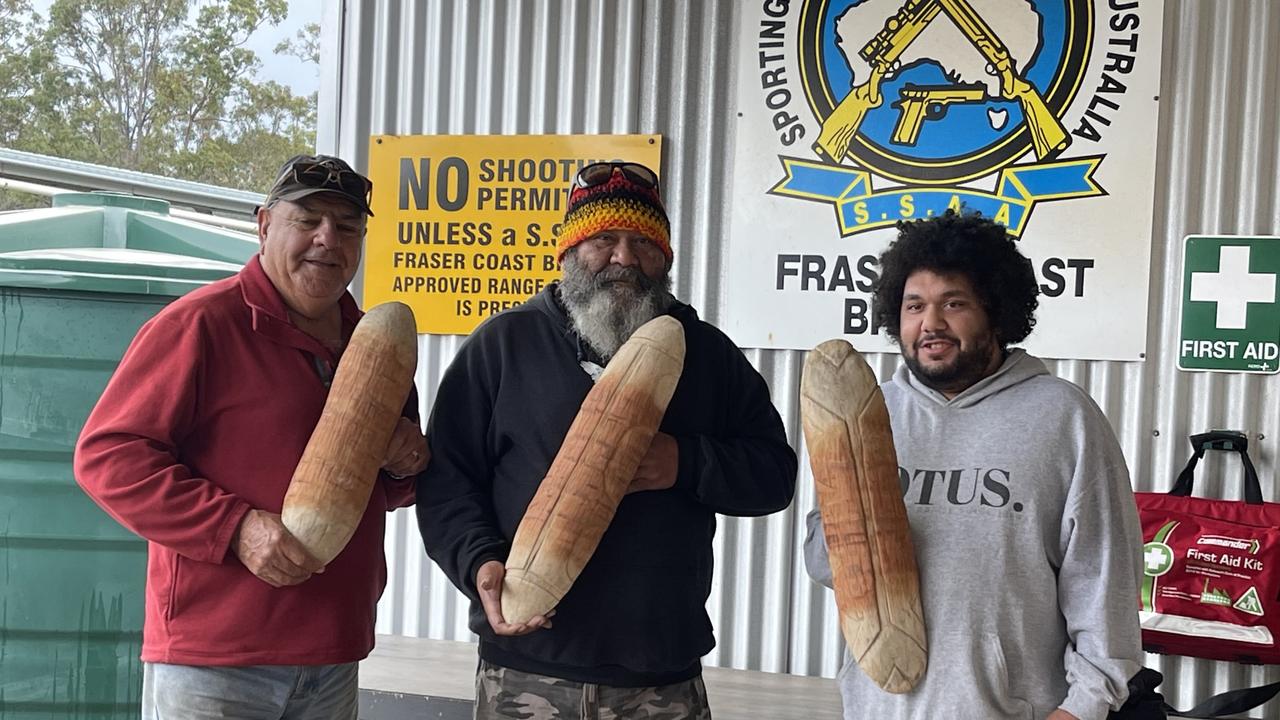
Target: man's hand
(1061,714)
(659,466)
(407,453)
(265,546)
(489,585)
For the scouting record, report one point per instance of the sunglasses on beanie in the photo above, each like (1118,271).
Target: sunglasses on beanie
(599,174)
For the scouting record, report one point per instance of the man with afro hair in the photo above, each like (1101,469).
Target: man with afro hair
(1021,512)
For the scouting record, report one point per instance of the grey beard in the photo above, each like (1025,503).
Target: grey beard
(604,313)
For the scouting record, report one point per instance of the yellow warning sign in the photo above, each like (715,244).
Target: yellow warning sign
(465,226)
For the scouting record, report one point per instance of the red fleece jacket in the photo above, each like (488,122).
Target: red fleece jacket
(205,418)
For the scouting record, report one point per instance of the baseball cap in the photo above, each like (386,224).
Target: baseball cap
(304,175)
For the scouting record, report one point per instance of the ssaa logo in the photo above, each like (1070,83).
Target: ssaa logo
(936,100)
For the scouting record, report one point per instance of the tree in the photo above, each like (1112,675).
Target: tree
(15,43)
(305,45)
(162,86)
(32,88)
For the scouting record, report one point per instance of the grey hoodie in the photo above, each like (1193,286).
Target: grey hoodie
(1028,543)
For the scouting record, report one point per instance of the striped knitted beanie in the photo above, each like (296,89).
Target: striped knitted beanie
(616,204)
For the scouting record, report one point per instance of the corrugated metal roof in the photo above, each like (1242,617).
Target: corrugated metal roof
(76,175)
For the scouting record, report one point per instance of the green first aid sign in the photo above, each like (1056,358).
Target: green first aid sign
(1230,314)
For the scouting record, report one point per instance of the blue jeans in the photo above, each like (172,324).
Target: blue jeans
(259,692)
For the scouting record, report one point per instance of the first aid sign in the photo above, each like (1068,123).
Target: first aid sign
(1230,314)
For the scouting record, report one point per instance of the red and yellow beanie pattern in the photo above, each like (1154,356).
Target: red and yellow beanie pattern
(617,204)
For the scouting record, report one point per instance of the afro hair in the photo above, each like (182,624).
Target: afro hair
(964,244)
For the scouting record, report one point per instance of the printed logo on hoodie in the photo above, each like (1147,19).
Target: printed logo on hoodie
(984,487)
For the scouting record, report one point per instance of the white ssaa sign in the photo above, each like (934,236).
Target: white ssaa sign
(853,115)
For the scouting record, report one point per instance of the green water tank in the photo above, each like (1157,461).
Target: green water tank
(77,280)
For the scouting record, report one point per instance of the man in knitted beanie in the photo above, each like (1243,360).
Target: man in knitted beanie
(615,249)
(629,635)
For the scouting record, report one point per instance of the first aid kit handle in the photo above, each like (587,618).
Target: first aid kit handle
(1228,441)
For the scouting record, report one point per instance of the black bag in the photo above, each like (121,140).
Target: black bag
(1145,703)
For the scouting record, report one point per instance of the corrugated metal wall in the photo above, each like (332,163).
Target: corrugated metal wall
(667,66)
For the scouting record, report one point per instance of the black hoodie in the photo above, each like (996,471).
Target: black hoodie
(636,615)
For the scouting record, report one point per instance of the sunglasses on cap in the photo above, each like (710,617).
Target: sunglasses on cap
(599,173)
(325,174)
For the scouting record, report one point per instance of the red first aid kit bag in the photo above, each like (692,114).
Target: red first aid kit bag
(1211,568)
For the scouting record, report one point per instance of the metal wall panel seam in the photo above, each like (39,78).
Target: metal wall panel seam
(489,68)
(329,93)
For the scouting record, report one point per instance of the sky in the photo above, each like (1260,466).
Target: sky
(284,69)
(287,70)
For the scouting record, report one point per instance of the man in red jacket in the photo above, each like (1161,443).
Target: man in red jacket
(194,442)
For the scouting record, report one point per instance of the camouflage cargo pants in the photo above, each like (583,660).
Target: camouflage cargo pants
(503,694)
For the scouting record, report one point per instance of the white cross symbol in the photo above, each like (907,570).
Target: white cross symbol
(1233,287)
(1156,558)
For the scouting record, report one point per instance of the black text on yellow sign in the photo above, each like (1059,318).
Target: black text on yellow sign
(465,226)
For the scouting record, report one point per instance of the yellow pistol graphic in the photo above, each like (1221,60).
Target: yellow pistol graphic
(882,53)
(929,102)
